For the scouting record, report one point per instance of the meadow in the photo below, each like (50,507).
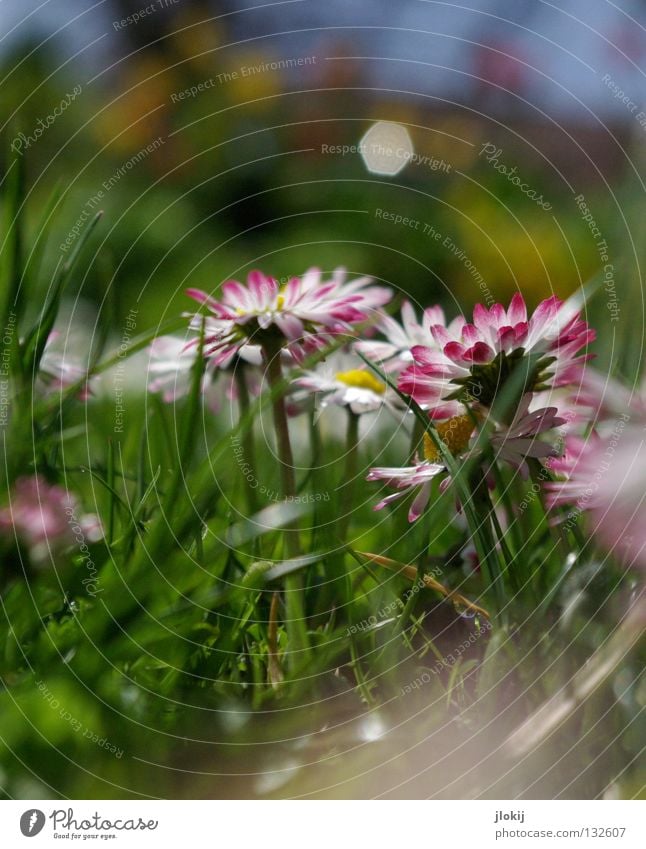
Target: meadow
(194,569)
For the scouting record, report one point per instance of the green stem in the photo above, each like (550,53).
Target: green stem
(110,479)
(411,601)
(535,470)
(294,597)
(508,557)
(247,434)
(415,439)
(360,678)
(281,426)
(504,493)
(351,458)
(488,555)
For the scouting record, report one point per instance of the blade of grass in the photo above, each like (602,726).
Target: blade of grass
(36,338)
(11,250)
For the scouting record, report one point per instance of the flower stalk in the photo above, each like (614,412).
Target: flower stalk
(294,596)
(351,465)
(247,433)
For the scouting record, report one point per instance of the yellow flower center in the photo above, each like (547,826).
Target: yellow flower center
(454,433)
(280,302)
(362,380)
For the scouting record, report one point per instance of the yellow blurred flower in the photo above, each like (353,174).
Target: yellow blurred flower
(145,85)
(530,254)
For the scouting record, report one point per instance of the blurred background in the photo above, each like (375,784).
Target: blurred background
(215,136)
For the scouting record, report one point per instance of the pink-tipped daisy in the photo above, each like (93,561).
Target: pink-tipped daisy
(344,381)
(518,442)
(394,354)
(471,362)
(603,480)
(169,372)
(302,313)
(514,444)
(574,469)
(598,397)
(406,479)
(455,434)
(60,368)
(46,518)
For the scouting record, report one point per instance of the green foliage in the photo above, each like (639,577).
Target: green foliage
(183,641)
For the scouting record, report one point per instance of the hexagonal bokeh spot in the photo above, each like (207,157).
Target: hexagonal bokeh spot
(386,148)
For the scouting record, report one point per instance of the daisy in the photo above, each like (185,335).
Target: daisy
(340,380)
(619,516)
(471,362)
(45,518)
(514,444)
(302,313)
(455,434)
(603,479)
(574,470)
(169,367)
(407,479)
(618,416)
(599,397)
(394,354)
(59,369)
(169,370)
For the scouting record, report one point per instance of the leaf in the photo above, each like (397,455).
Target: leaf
(36,339)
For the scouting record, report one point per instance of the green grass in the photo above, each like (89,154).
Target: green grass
(191,663)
